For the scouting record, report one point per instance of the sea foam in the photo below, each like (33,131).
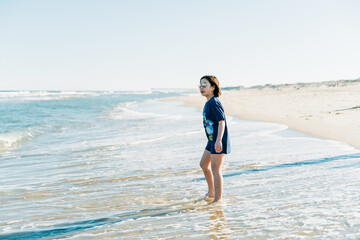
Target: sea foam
(12,140)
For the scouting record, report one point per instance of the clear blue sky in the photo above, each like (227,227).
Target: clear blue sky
(138,45)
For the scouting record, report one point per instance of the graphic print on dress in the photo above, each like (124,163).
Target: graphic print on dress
(208,127)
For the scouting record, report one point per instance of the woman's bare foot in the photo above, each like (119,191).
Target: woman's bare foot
(220,201)
(209,197)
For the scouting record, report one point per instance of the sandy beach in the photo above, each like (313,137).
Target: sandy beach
(329,110)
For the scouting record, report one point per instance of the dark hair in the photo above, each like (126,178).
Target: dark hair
(213,82)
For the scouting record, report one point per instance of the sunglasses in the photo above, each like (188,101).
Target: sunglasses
(202,85)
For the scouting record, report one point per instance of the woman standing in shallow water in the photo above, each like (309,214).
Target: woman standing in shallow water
(217,134)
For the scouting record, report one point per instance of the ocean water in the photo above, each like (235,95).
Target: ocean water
(125,165)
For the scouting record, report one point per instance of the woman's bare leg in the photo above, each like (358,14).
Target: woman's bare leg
(205,166)
(216,168)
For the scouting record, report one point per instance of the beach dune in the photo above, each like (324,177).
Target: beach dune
(329,110)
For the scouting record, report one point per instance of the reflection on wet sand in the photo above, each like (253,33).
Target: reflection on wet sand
(217,223)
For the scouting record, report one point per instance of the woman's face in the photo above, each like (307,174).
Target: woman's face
(205,88)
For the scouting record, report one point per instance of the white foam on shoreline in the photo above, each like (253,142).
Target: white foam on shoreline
(9,141)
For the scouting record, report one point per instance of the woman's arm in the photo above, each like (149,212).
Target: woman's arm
(221,130)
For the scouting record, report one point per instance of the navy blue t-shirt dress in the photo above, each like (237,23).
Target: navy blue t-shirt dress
(213,113)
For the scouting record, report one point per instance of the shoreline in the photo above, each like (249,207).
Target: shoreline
(328,110)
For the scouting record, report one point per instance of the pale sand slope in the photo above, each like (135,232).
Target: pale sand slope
(327,110)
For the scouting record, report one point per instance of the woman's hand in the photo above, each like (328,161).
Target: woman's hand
(218,146)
